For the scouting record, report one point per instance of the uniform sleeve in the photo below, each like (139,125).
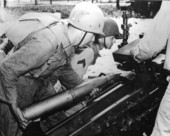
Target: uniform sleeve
(31,56)
(148,47)
(68,77)
(155,37)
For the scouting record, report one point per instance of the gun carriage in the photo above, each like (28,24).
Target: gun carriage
(124,106)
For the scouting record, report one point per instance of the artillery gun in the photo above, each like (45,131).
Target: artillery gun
(123,106)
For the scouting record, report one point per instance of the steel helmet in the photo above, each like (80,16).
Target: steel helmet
(110,27)
(88,17)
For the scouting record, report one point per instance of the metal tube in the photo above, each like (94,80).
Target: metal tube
(34,111)
(61,100)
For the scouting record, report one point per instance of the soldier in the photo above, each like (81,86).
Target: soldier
(42,45)
(155,40)
(88,55)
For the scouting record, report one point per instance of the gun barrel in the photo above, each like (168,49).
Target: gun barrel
(61,100)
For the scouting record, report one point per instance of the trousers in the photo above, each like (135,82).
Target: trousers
(162,122)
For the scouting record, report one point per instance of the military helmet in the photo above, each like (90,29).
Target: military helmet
(110,27)
(88,17)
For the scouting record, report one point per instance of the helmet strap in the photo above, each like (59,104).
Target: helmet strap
(76,47)
(105,42)
(82,39)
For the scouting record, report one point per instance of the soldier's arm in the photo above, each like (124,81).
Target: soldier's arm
(29,57)
(148,47)
(68,77)
(155,37)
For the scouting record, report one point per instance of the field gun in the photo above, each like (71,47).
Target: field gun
(123,107)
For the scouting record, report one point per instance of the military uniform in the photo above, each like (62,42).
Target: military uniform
(84,57)
(155,40)
(41,47)
(45,49)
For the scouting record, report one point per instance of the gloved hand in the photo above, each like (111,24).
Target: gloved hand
(23,123)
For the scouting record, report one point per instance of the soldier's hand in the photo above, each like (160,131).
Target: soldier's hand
(95,91)
(136,57)
(23,123)
(112,76)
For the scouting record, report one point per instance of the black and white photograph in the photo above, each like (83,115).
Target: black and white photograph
(84,68)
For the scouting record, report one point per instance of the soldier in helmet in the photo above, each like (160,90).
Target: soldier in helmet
(42,45)
(111,32)
(88,55)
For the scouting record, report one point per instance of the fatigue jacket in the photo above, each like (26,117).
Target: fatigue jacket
(84,57)
(37,54)
(156,36)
